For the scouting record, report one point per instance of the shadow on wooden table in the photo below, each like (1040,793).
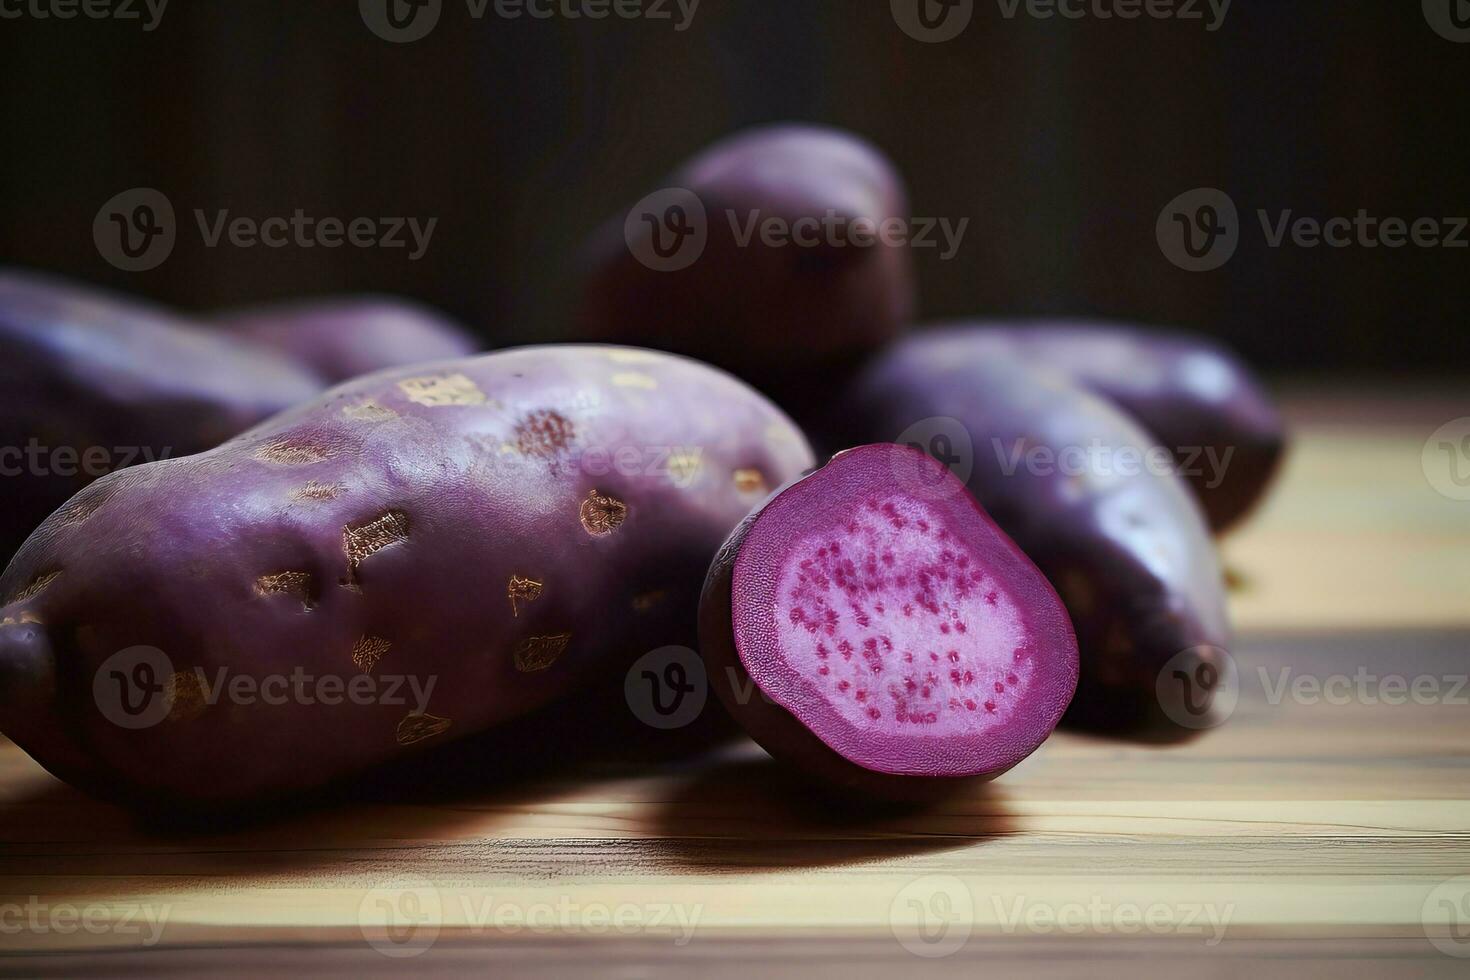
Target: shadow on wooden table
(746,812)
(536,798)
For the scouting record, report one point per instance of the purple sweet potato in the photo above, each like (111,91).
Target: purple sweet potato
(343,337)
(1068,476)
(767,311)
(458,542)
(871,624)
(1192,395)
(94,382)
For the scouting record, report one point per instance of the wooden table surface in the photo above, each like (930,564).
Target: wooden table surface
(1307,836)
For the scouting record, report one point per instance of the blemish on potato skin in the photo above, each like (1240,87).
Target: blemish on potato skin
(544,433)
(439,391)
(186,696)
(361,541)
(36,586)
(369,411)
(284,452)
(750,480)
(537,653)
(312,490)
(602,515)
(522,589)
(635,379)
(417,728)
(367,651)
(26,618)
(79,513)
(685,466)
(295,584)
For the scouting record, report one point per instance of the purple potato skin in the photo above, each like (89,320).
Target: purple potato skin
(1129,553)
(767,313)
(344,337)
(101,382)
(508,527)
(1193,396)
(781,725)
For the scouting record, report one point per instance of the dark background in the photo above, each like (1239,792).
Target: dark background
(1060,140)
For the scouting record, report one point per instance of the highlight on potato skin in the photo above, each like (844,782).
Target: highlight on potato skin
(444,559)
(872,626)
(1127,548)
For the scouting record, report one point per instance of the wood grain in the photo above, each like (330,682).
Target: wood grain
(1303,838)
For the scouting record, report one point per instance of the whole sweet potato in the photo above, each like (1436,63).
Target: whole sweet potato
(761,255)
(411,557)
(1192,395)
(94,383)
(1069,477)
(341,338)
